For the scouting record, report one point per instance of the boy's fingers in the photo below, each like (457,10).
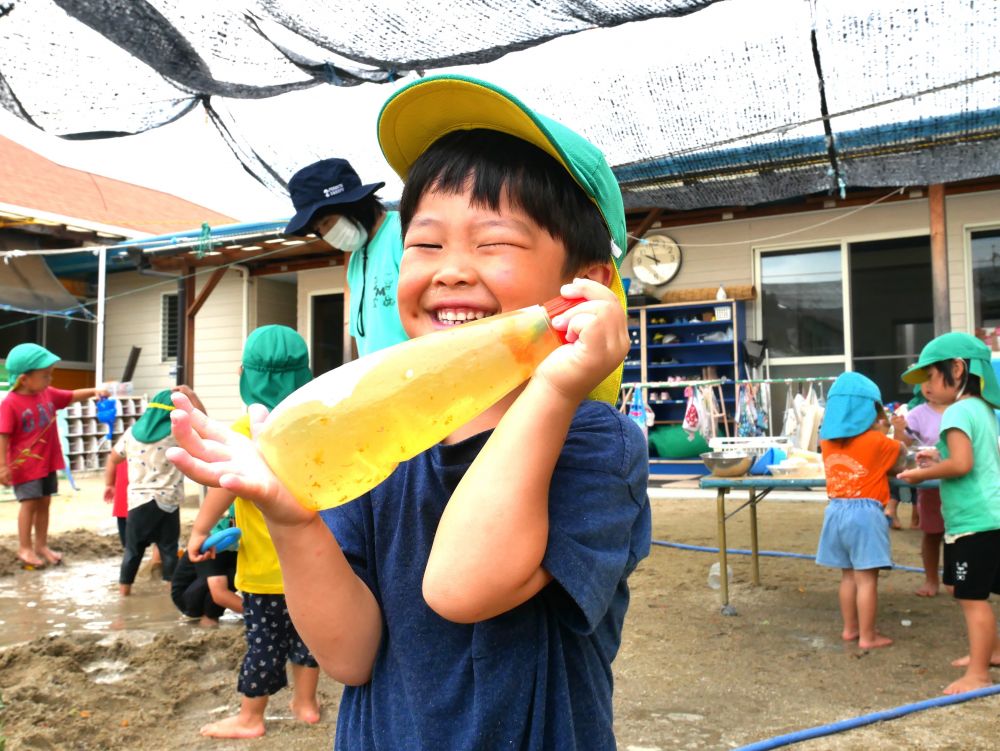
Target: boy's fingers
(189,439)
(258,414)
(197,470)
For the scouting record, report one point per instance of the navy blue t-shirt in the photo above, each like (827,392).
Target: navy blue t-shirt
(535,677)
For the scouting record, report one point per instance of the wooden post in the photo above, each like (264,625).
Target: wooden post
(939,260)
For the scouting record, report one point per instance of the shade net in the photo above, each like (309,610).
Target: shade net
(696,103)
(28,286)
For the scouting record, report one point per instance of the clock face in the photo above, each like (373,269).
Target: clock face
(656,260)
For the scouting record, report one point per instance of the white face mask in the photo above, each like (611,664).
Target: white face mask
(346,235)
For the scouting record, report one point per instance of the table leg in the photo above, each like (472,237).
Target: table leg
(720,510)
(754,550)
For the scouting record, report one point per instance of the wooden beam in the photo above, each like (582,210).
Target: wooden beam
(211,284)
(286,267)
(939,260)
(648,221)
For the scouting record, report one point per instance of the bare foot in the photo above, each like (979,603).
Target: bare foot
(233,727)
(963,662)
(894,522)
(125,589)
(305,711)
(51,556)
(965,683)
(207,622)
(849,634)
(29,559)
(878,641)
(927,589)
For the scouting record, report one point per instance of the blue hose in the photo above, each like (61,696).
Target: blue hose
(868,719)
(767,553)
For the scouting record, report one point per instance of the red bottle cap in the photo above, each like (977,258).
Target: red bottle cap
(558,305)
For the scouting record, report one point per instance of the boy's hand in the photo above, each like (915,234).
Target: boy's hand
(194,544)
(927,457)
(212,454)
(912,476)
(598,334)
(898,424)
(5,476)
(109,494)
(102,392)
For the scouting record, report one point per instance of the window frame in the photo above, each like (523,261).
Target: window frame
(968,231)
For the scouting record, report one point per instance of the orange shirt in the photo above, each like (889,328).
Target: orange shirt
(856,467)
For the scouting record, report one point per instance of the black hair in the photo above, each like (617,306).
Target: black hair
(969,386)
(365,212)
(494,165)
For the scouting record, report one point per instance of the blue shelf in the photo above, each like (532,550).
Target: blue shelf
(681,345)
(702,364)
(698,325)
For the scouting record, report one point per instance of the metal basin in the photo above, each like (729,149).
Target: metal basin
(727,463)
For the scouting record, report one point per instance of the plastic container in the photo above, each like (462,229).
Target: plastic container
(343,433)
(714,580)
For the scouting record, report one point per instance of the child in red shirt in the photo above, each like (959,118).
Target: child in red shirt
(857,456)
(30,452)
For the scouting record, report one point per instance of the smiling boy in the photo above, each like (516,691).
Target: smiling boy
(475,599)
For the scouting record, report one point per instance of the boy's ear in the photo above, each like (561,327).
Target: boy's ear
(598,272)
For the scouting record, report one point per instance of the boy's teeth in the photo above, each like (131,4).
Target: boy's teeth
(450,315)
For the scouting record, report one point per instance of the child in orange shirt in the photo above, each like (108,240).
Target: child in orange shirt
(857,456)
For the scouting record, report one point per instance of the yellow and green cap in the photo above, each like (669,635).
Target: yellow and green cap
(154,424)
(961,346)
(420,113)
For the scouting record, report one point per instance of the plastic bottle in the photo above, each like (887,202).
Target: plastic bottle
(714,580)
(343,433)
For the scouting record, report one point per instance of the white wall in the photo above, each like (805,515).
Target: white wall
(276,302)
(722,252)
(134,319)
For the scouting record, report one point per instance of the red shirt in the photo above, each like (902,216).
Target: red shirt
(120,507)
(29,420)
(856,467)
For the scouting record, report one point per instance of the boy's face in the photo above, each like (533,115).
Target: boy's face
(463,262)
(936,390)
(36,381)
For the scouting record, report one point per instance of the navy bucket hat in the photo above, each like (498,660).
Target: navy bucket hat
(851,407)
(329,182)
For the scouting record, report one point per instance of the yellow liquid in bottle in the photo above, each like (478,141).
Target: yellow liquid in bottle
(342,434)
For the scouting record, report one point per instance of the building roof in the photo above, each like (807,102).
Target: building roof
(33,183)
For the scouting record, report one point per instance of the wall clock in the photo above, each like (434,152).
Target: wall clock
(656,260)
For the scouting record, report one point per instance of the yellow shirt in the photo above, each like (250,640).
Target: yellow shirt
(257,569)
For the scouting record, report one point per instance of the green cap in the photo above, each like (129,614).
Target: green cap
(422,112)
(961,346)
(25,357)
(275,363)
(154,424)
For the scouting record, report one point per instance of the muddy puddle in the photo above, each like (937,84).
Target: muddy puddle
(82,596)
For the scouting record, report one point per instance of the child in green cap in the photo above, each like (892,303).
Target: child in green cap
(30,452)
(476,597)
(275,363)
(958,371)
(155,488)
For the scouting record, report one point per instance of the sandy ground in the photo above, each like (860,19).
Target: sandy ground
(687,677)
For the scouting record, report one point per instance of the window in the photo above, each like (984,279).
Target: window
(986,278)
(327,344)
(70,338)
(168,328)
(802,302)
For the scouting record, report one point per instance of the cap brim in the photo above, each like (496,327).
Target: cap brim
(915,374)
(298,225)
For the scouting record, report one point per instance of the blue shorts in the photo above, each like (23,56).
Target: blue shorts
(271,640)
(855,535)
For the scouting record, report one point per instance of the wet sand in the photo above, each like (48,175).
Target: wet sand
(686,677)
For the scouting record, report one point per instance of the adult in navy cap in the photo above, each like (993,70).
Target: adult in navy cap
(331,201)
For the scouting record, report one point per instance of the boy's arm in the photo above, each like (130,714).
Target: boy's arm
(334,611)
(958,463)
(80,395)
(110,468)
(217,501)
(222,595)
(5,476)
(487,553)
